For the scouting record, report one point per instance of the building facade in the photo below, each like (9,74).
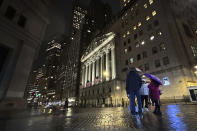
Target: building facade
(22,28)
(160,38)
(99,83)
(72,54)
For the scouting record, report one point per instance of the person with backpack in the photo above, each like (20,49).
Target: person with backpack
(133,85)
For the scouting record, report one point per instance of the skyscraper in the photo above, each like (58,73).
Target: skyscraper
(72,53)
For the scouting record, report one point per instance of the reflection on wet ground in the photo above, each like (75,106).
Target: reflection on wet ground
(174,117)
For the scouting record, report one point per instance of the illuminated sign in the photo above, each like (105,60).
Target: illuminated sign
(166,81)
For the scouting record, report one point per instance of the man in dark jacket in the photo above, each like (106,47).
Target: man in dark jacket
(133,85)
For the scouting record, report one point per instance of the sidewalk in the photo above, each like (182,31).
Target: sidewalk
(174,117)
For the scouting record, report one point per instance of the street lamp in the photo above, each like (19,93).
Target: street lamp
(117,87)
(105,73)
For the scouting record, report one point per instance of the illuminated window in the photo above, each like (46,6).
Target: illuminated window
(162,47)
(152,37)
(150,2)
(154,13)
(125,4)
(137,44)
(124,0)
(145,6)
(131,60)
(134,27)
(143,42)
(124,36)
(159,33)
(139,24)
(147,18)
(125,51)
(128,33)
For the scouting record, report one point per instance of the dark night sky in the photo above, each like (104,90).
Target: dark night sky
(61,15)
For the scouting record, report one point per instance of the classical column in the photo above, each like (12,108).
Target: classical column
(86,75)
(101,67)
(113,59)
(89,75)
(82,76)
(107,66)
(93,72)
(97,67)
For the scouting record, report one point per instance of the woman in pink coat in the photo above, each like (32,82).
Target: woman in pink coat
(154,95)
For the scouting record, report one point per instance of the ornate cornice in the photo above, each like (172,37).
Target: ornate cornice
(97,50)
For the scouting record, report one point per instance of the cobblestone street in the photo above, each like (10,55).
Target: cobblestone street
(175,117)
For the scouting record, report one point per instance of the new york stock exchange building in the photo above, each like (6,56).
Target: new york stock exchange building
(99,83)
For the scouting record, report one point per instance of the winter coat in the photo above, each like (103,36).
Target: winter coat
(144,90)
(154,90)
(133,82)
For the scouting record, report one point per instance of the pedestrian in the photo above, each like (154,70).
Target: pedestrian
(66,104)
(155,95)
(133,85)
(144,92)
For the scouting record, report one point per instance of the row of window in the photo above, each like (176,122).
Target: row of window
(140,33)
(138,44)
(155,50)
(139,24)
(157,63)
(12,12)
(137,10)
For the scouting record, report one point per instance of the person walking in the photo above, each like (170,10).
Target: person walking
(144,92)
(133,85)
(66,104)
(155,94)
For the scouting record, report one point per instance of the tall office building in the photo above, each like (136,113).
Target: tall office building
(52,64)
(72,53)
(159,36)
(95,18)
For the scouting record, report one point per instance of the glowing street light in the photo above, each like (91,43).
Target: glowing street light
(117,87)
(105,73)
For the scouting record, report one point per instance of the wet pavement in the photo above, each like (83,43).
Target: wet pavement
(174,117)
